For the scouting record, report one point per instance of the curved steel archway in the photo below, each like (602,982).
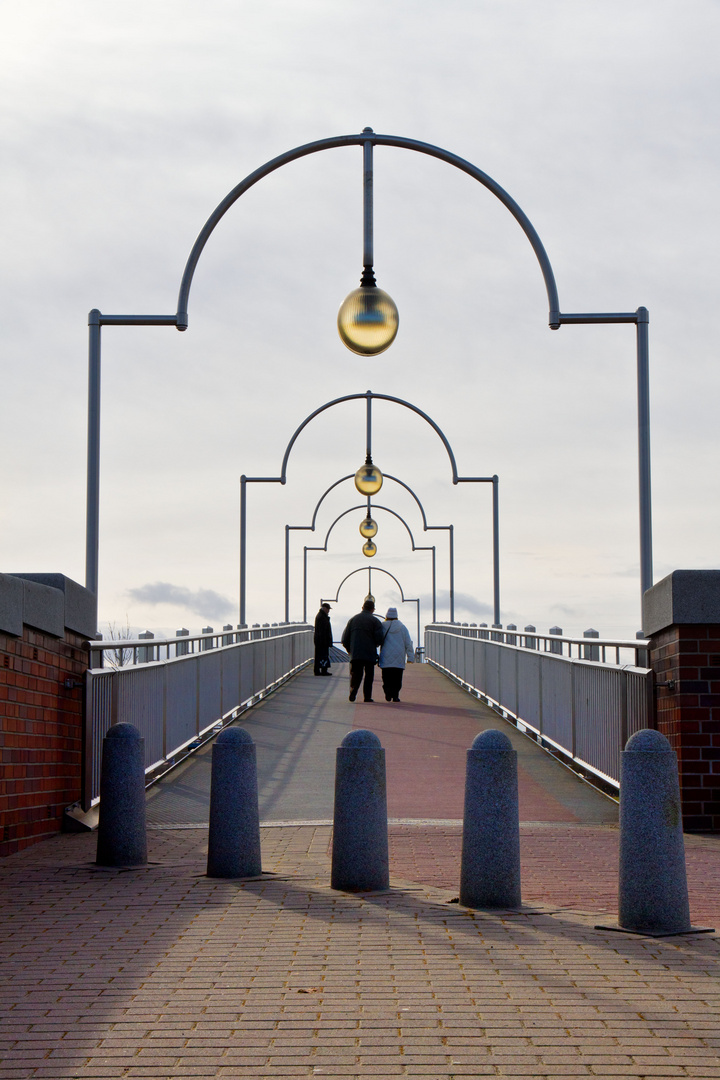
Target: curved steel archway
(368,139)
(352,510)
(282,478)
(378,570)
(450,529)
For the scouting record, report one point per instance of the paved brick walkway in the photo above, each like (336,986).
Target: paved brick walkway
(163,973)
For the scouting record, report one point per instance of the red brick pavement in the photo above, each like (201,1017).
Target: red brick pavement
(426,738)
(164,973)
(563,866)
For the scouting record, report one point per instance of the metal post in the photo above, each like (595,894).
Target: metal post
(368,424)
(452,573)
(368,255)
(643,391)
(92,523)
(496,552)
(287,573)
(243,545)
(304,584)
(434,590)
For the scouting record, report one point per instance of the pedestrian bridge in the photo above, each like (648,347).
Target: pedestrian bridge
(560,709)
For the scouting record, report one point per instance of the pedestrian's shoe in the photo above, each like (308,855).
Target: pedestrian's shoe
(353,695)
(396,699)
(368,701)
(388,698)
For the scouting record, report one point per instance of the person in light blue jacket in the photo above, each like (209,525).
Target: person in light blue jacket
(396,647)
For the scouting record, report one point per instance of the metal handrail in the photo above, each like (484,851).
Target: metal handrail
(554,643)
(178,702)
(147,650)
(578,706)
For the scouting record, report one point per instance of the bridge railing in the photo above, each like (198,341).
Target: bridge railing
(179,700)
(579,706)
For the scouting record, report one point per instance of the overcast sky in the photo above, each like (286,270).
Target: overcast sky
(122,126)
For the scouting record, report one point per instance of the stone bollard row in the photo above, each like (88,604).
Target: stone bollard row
(652,896)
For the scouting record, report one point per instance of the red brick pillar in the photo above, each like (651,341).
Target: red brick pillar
(45,621)
(681,617)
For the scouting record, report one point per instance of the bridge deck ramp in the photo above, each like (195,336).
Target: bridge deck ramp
(426,736)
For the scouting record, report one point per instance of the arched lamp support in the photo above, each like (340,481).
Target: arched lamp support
(367,139)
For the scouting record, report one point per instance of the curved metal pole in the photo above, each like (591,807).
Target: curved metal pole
(369,395)
(415,547)
(378,569)
(426,528)
(365,138)
(375,506)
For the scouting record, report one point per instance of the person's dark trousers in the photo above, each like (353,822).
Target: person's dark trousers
(392,678)
(322,662)
(362,671)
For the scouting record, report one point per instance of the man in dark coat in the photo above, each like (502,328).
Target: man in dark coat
(361,637)
(323,640)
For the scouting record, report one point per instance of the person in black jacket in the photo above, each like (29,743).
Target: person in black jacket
(361,637)
(323,640)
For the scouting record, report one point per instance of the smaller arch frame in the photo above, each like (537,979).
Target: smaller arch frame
(323,547)
(378,570)
(450,529)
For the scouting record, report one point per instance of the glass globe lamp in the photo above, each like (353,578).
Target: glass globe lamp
(369,549)
(368,478)
(368,320)
(368,527)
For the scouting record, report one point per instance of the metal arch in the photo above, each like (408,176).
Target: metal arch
(324,547)
(369,396)
(376,570)
(369,137)
(376,506)
(426,528)
(349,476)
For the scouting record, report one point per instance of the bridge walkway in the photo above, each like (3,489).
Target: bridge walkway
(161,972)
(426,735)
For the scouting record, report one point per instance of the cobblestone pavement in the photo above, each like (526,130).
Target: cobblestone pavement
(163,972)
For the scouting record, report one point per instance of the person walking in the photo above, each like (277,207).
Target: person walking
(323,639)
(396,647)
(360,638)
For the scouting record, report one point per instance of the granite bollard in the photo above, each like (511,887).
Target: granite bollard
(122,834)
(652,894)
(234,839)
(360,858)
(490,864)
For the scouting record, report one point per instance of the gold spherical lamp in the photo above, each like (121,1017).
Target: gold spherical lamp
(369,549)
(368,478)
(368,527)
(368,320)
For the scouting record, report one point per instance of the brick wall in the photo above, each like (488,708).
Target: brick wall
(45,621)
(41,734)
(689,715)
(681,617)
